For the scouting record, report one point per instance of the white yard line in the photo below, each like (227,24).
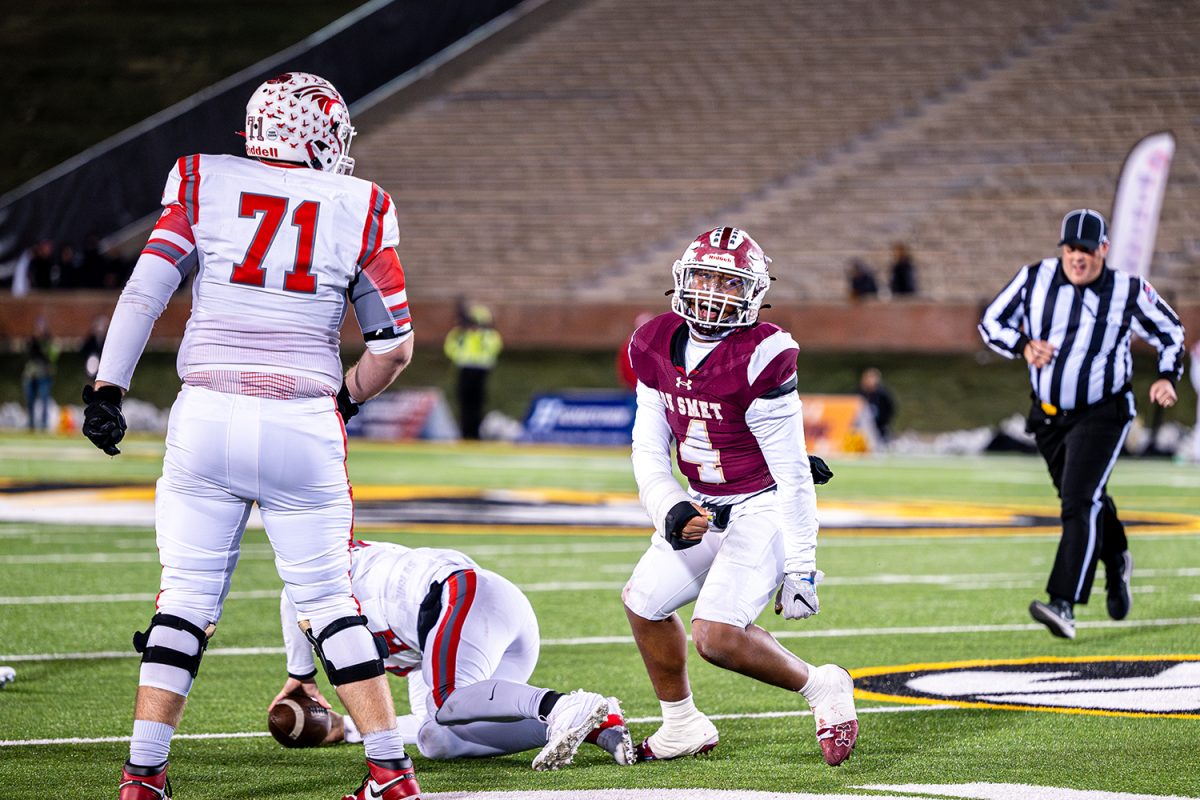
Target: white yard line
(633,720)
(955,581)
(584,641)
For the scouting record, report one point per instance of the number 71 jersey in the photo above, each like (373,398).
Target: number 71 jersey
(706,408)
(277,249)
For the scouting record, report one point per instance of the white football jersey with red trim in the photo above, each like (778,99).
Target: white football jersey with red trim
(277,249)
(390,581)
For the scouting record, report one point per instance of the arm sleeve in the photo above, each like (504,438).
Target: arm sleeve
(778,425)
(1158,324)
(381,303)
(168,257)
(652,467)
(299,651)
(1001,323)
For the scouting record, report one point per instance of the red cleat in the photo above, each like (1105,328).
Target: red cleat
(837,720)
(144,783)
(388,780)
(837,742)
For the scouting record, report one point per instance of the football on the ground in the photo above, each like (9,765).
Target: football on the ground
(299,721)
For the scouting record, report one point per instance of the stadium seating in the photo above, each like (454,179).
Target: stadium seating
(578,159)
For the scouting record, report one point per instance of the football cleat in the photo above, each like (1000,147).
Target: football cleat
(693,738)
(573,717)
(837,721)
(144,783)
(7,676)
(612,735)
(391,779)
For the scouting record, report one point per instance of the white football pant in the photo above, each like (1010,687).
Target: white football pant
(732,574)
(227,451)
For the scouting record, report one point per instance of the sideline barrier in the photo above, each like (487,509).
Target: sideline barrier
(595,418)
(833,423)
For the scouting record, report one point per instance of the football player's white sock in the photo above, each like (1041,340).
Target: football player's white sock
(151,743)
(350,734)
(816,687)
(384,745)
(678,712)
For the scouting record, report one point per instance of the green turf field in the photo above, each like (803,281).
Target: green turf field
(72,593)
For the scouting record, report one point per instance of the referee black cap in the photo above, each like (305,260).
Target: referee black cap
(1085,228)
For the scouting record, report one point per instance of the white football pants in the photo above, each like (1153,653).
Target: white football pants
(732,574)
(227,451)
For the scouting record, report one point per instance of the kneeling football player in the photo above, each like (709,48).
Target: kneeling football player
(468,641)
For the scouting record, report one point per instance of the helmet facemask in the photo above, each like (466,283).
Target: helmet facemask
(718,289)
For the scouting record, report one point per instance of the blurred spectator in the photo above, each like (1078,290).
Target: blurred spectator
(625,369)
(862,280)
(43,269)
(38,376)
(93,345)
(903,280)
(33,267)
(94,265)
(68,267)
(473,347)
(879,400)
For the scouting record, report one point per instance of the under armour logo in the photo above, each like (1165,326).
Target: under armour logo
(681,383)
(842,736)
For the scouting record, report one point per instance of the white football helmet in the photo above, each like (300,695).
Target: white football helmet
(720,281)
(300,118)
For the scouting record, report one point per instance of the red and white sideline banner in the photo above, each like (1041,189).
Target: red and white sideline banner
(1138,203)
(405,414)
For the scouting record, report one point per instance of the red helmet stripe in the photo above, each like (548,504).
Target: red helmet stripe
(726,234)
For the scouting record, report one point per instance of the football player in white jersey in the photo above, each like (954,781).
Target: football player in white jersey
(280,244)
(468,641)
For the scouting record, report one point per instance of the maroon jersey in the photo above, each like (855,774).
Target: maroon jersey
(706,409)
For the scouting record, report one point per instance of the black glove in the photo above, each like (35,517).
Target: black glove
(103,422)
(346,407)
(677,517)
(820,470)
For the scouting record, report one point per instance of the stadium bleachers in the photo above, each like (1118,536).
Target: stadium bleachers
(576,162)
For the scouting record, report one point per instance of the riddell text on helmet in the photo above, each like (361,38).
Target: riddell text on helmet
(261,151)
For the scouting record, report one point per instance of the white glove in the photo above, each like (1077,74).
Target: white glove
(797,597)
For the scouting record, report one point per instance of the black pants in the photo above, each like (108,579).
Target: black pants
(1080,450)
(472,391)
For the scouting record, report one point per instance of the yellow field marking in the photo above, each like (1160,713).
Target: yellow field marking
(1168,523)
(867,672)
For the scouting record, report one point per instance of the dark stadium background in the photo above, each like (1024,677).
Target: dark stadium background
(556,167)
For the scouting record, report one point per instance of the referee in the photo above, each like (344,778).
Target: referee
(1071,318)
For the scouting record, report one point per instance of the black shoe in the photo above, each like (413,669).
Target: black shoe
(1057,616)
(1120,599)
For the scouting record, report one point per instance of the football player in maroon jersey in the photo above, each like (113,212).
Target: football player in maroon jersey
(719,388)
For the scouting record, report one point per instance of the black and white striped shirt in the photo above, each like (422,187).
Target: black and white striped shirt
(1089,327)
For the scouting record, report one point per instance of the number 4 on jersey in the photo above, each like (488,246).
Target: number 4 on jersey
(696,448)
(250,272)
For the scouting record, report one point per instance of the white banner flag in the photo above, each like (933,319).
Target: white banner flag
(1134,220)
